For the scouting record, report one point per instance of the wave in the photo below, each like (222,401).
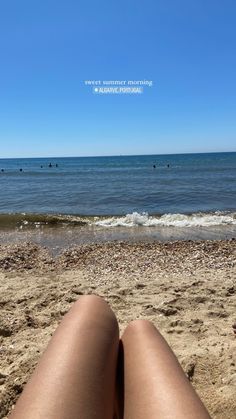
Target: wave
(169,220)
(135,219)
(28,220)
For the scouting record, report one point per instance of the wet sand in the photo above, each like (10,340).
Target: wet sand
(187,288)
(58,237)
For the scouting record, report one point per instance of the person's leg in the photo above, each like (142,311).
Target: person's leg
(155,386)
(75,377)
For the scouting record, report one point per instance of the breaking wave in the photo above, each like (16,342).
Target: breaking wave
(135,219)
(169,220)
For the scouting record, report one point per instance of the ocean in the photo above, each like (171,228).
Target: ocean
(181,196)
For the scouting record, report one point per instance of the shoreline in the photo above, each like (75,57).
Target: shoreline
(186,288)
(59,238)
(31,256)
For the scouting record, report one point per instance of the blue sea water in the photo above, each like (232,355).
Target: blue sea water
(120,185)
(61,202)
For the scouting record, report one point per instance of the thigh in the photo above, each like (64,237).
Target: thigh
(75,377)
(155,385)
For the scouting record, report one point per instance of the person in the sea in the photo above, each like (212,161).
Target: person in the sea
(87,372)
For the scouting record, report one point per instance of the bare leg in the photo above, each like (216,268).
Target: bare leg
(155,385)
(75,377)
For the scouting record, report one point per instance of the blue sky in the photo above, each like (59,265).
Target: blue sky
(48,49)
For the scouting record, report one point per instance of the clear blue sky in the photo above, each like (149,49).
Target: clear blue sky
(49,47)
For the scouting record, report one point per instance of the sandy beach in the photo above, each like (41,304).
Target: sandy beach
(186,288)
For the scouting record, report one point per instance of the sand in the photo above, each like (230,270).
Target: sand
(187,289)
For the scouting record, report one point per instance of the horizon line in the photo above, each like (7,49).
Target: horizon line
(117,155)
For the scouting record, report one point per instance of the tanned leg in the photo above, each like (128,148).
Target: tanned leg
(75,377)
(154,384)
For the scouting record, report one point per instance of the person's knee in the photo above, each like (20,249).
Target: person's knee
(95,308)
(90,303)
(91,299)
(139,327)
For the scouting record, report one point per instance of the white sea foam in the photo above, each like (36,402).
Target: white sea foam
(169,220)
